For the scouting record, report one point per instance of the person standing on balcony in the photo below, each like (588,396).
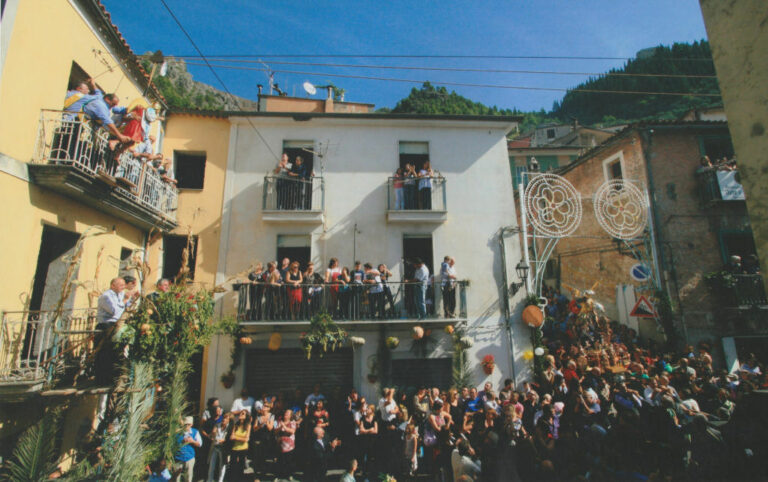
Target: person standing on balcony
(385,274)
(299,176)
(358,275)
(274,282)
(421,278)
(293,281)
(112,303)
(397,185)
(331,273)
(375,292)
(281,172)
(284,268)
(425,186)
(448,284)
(409,186)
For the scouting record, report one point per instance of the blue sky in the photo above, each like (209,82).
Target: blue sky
(588,28)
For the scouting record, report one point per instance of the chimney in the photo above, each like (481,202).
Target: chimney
(260,88)
(329,100)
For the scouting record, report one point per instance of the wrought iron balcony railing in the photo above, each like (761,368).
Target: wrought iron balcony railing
(259,301)
(286,193)
(748,290)
(416,194)
(64,139)
(37,345)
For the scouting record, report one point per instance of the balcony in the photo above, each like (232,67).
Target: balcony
(719,186)
(407,203)
(273,305)
(37,348)
(293,200)
(73,159)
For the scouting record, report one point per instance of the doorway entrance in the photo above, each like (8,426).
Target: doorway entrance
(417,246)
(294,247)
(54,243)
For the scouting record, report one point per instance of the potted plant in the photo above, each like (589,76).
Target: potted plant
(489,362)
(228,379)
(392,342)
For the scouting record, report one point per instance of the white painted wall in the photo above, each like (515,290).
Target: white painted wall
(471,155)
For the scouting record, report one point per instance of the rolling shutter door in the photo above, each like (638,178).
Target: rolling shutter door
(417,372)
(288,369)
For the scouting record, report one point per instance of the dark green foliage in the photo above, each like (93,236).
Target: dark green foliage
(679,59)
(437,100)
(34,456)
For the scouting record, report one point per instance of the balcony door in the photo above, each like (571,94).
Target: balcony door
(417,246)
(295,248)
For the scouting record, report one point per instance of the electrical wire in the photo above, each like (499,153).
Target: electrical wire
(215,74)
(459,84)
(457,69)
(432,56)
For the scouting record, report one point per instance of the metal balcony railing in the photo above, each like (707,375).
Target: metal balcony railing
(34,345)
(259,301)
(285,193)
(416,194)
(65,139)
(748,290)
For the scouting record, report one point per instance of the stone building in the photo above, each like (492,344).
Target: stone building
(697,220)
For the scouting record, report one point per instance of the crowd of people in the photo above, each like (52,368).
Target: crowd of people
(126,130)
(602,406)
(413,186)
(721,164)
(286,292)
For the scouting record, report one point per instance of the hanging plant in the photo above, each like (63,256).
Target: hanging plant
(357,341)
(393,342)
(422,345)
(489,363)
(228,379)
(323,336)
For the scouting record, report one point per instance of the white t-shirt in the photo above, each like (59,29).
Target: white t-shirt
(422,274)
(387,409)
(239,405)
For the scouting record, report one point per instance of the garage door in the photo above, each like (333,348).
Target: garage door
(416,372)
(289,369)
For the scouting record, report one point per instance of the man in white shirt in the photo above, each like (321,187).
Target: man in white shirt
(462,463)
(387,406)
(421,276)
(243,403)
(112,303)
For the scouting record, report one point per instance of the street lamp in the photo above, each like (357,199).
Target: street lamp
(522,273)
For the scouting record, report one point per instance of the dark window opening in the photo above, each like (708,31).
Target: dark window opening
(189,168)
(304,149)
(417,246)
(173,255)
(416,153)
(718,147)
(302,255)
(614,170)
(550,133)
(737,244)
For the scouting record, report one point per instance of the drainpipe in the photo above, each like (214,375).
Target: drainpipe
(505,294)
(657,241)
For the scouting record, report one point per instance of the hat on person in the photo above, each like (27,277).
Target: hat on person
(189,420)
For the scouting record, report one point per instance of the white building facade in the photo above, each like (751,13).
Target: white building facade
(348,211)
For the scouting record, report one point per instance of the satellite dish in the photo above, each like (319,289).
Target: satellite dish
(309,88)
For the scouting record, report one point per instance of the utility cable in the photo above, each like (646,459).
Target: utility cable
(215,74)
(457,69)
(436,56)
(461,84)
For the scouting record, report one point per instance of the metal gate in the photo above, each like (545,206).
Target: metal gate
(288,369)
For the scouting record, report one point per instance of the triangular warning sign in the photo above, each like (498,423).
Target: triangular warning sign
(644,309)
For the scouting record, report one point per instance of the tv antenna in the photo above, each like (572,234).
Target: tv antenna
(270,76)
(322,151)
(309,88)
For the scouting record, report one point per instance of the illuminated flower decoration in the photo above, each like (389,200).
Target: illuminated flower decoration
(553,205)
(621,209)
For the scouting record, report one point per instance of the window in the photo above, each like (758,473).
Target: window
(613,167)
(736,243)
(189,169)
(416,153)
(550,133)
(125,261)
(716,147)
(76,76)
(305,149)
(173,255)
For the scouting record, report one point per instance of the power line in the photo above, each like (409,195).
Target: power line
(458,69)
(462,84)
(434,56)
(213,71)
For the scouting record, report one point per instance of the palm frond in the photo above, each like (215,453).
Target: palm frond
(176,407)
(128,453)
(34,457)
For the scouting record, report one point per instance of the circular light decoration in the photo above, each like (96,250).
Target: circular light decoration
(621,209)
(553,205)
